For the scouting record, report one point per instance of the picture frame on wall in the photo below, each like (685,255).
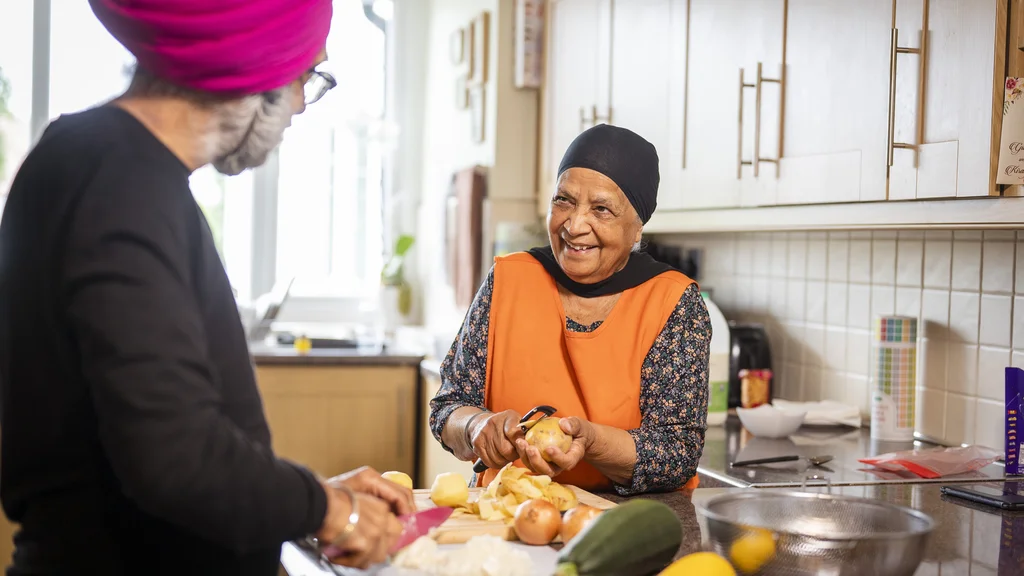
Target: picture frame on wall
(529,43)
(457,46)
(478,116)
(479,48)
(461,93)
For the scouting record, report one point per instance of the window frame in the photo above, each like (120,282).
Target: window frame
(263,229)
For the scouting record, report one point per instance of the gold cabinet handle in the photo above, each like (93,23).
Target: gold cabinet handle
(583,117)
(757,120)
(740,162)
(894,50)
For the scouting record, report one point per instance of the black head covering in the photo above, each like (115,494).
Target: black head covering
(622,155)
(632,163)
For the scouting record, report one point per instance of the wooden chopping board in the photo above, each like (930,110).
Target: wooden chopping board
(459,529)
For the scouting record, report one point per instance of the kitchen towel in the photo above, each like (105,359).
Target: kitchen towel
(895,378)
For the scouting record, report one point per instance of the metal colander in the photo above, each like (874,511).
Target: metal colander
(821,534)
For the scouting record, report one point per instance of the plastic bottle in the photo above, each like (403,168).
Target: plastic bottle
(718,365)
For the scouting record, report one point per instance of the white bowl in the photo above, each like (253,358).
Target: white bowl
(768,421)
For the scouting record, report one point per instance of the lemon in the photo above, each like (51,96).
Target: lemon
(400,478)
(752,550)
(702,563)
(449,489)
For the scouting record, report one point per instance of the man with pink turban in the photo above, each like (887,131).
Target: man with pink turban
(133,435)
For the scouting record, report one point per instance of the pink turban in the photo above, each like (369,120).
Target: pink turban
(220,46)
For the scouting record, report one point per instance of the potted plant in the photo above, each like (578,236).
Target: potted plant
(396,292)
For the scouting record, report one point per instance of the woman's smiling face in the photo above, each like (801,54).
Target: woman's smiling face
(592,227)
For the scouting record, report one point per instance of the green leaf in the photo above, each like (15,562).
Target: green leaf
(403,244)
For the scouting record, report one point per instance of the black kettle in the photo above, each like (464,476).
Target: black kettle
(748,349)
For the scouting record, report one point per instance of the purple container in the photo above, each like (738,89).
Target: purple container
(1014,389)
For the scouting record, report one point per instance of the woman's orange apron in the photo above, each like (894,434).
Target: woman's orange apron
(532,359)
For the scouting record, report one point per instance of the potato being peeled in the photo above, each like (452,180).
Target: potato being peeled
(449,489)
(546,432)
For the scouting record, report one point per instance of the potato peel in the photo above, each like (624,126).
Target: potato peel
(511,487)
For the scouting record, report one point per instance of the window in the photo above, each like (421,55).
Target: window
(329,215)
(313,212)
(15,90)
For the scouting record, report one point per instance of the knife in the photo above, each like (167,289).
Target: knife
(419,524)
(413,526)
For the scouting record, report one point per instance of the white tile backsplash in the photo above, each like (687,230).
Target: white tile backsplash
(989,427)
(818,293)
(935,314)
(996,317)
(995,275)
(838,257)
(835,303)
(909,260)
(992,363)
(816,301)
(860,260)
(963,316)
(937,262)
(797,259)
(883,261)
(966,265)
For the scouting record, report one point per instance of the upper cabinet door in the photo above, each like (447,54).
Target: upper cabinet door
(836,98)
(576,80)
(714,135)
(643,34)
(946,122)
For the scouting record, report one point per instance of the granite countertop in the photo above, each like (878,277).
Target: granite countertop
(729,443)
(968,538)
(297,561)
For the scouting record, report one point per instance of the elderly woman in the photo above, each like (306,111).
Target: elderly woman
(614,340)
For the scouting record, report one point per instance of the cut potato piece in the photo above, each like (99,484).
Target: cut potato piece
(511,487)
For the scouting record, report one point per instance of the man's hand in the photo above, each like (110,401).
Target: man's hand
(366,480)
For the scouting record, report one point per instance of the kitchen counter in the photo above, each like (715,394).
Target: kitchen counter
(264,355)
(299,562)
(968,538)
(726,444)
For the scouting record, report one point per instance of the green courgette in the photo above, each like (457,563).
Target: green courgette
(637,538)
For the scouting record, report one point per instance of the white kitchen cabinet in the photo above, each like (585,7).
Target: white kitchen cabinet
(713,138)
(836,99)
(576,94)
(643,33)
(956,125)
(815,130)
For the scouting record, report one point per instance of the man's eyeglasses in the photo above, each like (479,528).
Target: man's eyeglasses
(319,84)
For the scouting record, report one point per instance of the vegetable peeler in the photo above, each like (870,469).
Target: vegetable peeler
(524,424)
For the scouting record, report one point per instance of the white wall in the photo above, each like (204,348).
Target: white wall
(817,294)
(425,82)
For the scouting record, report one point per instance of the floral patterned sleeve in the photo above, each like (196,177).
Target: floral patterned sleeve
(673,388)
(464,368)
(673,400)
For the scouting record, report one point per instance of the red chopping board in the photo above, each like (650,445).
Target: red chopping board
(459,529)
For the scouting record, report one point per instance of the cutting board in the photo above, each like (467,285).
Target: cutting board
(459,529)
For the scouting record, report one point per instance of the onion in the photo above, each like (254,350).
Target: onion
(537,522)
(577,519)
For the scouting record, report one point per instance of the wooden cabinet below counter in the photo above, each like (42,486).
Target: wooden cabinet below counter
(336,418)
